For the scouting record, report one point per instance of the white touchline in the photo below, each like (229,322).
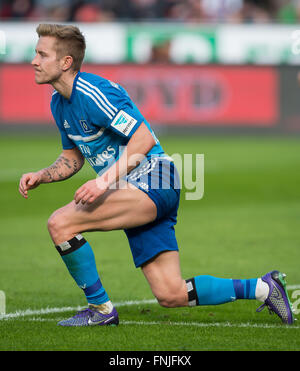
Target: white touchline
(187,324)
(33,312)
(292,287)
(207,324)
(30,312)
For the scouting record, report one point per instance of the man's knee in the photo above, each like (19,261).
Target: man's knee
(172,297)
(168,301)
(58,227)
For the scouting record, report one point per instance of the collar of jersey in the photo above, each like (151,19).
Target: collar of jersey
(74,87)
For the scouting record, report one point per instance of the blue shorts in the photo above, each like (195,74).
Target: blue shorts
(159,179)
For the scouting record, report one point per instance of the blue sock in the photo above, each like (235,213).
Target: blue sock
(208,290)
(79,258)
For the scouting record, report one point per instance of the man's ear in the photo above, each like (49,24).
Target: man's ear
(67,62)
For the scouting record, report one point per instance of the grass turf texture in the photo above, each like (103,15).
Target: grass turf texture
(246,225)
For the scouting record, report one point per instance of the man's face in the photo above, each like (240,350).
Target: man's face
(46,65)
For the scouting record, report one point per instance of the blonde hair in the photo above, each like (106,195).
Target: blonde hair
(70,41)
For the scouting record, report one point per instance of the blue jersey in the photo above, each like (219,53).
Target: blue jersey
(99,119)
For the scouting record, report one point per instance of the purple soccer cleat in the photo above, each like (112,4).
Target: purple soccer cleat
(91,317)
(278,301)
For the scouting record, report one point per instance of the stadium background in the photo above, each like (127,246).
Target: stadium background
(212,77)
(216,65)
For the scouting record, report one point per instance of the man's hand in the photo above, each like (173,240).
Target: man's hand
(29,181)
(138,146)
(90,191)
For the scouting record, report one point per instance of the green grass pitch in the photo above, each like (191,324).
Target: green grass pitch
(246,224)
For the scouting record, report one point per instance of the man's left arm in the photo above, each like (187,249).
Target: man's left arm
(138,146)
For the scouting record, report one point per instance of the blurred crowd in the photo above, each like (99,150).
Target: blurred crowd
(205,11)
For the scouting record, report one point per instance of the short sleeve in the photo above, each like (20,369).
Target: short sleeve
(109,105)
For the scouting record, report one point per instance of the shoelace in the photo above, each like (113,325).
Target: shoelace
(84,312)
(261,307)
(271,311)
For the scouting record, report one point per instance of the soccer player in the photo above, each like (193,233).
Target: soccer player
(137,190)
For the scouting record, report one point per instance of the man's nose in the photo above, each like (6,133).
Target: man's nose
(34,61)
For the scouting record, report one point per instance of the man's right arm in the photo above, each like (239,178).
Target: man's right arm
(67,164)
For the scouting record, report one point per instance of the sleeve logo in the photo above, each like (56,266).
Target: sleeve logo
(124,123)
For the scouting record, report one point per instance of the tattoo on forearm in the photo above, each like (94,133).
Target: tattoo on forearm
(61,169)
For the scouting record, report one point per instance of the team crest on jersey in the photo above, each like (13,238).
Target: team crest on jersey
(123,122)
(84,126)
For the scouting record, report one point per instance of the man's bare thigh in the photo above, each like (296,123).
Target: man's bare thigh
(116,209)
